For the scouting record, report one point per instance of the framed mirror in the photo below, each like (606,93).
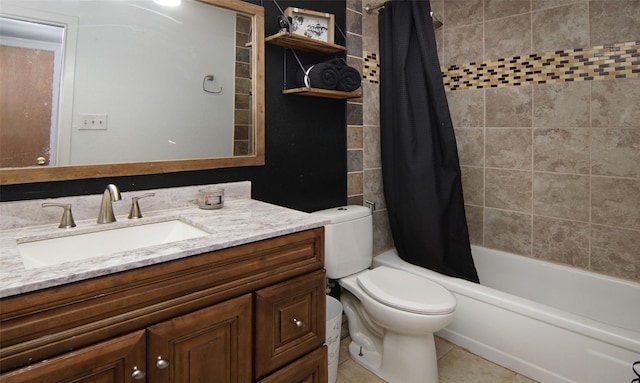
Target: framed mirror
(102,88)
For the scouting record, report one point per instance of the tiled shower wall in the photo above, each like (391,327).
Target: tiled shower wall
(364,171)
(545,100)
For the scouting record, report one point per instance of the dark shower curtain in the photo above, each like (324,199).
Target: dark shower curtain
(420,168)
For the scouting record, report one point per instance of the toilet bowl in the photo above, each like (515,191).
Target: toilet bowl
(391,314)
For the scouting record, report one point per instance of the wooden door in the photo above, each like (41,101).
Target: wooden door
(212,345)
(26,78)
(113,361)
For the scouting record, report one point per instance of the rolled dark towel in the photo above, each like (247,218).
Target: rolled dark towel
(338,63)
(350,79)
(322,75)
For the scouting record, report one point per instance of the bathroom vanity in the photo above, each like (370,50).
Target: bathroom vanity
(243,304)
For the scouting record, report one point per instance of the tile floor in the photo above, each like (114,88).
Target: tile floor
(455,364)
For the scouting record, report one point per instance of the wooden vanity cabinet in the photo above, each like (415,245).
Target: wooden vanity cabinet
(224,316)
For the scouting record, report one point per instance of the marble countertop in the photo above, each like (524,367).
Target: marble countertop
(239,222)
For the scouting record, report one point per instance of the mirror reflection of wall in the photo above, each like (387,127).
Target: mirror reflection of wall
(140,81)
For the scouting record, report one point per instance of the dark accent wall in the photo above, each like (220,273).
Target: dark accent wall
(305,142)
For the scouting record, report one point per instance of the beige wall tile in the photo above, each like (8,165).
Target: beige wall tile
(467,108)
(508,189)
(354,44)
(509,107)
(614,21)
(506,37)
(563,105)
(372,147)
(439,33)
(507,231)
(561,241)
(509,148)
(561,28)
(354,137)
(462,12)
(437,6)
(470,143)
(561,150)
(615,202)
(382,239)
(373,187)
(494,9)
(616,152)
(355,183)
(354,160)
(561,195)
(354,113)
(614,103)
(371,104)
(543,4)
(356,5)
(473,185)
(356,200)
(463,44)
(370,41)
(615,252)
(475,218)
(354,22)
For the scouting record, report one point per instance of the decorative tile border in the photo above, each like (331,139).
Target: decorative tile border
(371,68)
(605,62)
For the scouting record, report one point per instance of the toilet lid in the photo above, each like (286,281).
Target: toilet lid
(405,291)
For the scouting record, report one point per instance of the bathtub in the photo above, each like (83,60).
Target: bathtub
(549,322)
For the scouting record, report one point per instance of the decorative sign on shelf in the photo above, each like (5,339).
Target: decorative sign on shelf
(312,24)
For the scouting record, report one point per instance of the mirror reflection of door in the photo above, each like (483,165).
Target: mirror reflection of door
(26,77)
(30,71)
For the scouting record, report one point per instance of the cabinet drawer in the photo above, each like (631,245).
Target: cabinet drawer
(290,321)
(310,369)
(112,361)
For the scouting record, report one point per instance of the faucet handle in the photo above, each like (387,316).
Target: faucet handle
(66,222)
(135,207)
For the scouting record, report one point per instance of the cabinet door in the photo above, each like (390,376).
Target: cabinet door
(212,345)
(115,361)
(290,321)
(312,368)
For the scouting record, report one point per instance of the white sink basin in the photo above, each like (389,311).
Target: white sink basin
(83,246)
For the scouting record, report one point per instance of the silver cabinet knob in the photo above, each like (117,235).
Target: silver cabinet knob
(161,363)
(298,322)
(137,373)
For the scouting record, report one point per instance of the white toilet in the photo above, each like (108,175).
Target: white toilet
(392,314)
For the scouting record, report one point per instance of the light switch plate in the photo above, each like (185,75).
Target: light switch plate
(92,122)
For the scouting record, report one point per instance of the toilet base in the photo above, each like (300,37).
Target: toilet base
(406,359)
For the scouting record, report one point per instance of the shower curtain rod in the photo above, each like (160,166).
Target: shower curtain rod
(369,8)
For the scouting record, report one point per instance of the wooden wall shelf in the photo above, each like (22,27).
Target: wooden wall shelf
(289,40)
(297,42)
(326,93)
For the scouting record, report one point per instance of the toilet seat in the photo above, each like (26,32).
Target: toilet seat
(408,292)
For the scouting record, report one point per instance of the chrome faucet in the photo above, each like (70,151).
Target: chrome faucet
(111,193)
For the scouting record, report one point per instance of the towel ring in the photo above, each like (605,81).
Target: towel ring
(209,77)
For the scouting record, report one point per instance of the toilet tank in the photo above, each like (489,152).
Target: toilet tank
(348,240)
